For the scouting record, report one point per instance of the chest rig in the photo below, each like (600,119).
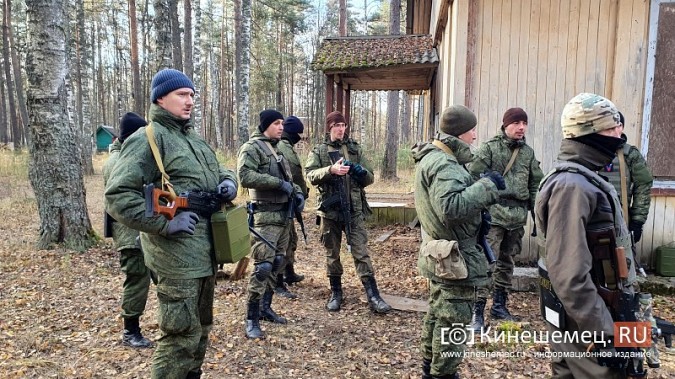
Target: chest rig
(279,168)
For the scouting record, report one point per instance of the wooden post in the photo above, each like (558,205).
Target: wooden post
(339,99)
(348,98)
(330,83)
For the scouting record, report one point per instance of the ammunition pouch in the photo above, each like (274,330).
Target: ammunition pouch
(443,258)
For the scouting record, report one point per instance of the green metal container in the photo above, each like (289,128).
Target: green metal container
(231,237)
(665,260)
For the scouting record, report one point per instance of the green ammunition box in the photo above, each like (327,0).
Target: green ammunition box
(665,260)
(231,237)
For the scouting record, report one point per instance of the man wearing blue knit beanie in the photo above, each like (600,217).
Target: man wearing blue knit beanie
(177,250)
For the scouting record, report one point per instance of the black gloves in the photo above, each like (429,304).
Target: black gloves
(183,222)
(496,178)
(299,202)
(635,227)
(227,189)
(356,170)
(287,188)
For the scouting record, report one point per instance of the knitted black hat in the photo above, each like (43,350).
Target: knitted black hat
(267,117)
(293,124)
(129,123)
(168,80)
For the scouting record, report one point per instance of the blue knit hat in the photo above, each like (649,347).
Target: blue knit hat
(267,117)
(293,124)
(168,80)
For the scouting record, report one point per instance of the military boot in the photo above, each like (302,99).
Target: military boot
(499,310)
(282,290)
(478,317)
(426,368)
(194,374)
(253,321)
(290,276)
(377,304)
(335,301)
(132,335)
(267,314)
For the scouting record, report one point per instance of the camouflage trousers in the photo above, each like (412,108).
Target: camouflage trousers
(292,245)
(506,244)
(449,307)
(136,283)
(331,239)
(185,319)
(278,236)
(576,365)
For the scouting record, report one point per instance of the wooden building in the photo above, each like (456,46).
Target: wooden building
(537,54)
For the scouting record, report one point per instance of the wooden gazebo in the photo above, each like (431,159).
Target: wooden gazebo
(374,63)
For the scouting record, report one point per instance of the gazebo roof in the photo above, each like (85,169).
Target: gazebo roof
(395,62)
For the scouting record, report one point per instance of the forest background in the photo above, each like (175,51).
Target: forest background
(114,48)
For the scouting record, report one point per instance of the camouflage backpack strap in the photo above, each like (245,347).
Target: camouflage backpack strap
(166,185)
(513,159)
(442,146)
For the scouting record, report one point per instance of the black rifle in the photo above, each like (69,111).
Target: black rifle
(292,211)
(482,241)
(250,209)
(667,330)
(608,272)
(534,224)
(340,200)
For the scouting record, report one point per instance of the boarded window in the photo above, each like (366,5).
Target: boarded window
(662,126)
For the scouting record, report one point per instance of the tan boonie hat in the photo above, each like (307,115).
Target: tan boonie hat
(588,113)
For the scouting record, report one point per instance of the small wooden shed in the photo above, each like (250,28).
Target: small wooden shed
(105,135)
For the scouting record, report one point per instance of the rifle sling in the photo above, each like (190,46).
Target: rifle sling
(166,185)
(513,159)
(442,146)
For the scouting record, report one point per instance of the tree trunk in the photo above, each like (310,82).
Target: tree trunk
(137,90)
(83,90)
(16,127)
(4,133)
(342,30)
(55,172)
(391,130)
(175,35)
(187,62)
(243,73)
(405,119)
(162,24)
(197,70)
(18,80)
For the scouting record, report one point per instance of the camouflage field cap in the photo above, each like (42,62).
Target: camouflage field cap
(588,113)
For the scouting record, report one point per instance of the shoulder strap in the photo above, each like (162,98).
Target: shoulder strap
(513,159)
(283,163)
(624,185)
(166,185)
(442,146)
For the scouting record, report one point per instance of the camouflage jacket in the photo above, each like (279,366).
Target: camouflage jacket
(124,237)
(286,148)
(522,179)
(448,202)
(191,165)
(253,168)
(318,173)
(639,181)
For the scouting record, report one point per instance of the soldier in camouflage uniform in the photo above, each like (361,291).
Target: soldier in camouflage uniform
(639,182)
(506,149)
(137,276)
(179,251)
(572,205)
(293,127)
(267,176)
(449,202)
(321,172)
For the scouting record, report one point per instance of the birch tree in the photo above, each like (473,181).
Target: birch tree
(243,70)
(55,172)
